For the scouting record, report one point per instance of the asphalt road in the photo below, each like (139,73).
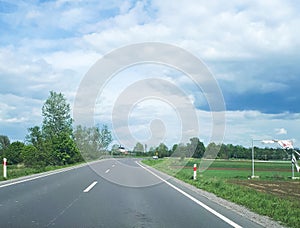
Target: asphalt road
(110,193)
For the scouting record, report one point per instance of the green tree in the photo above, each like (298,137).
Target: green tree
(162,150)
(105,137)
(224,153)
(66,151)
(32,157)
(56,116)
(174,147)
(13,153)
(138,147)
(40,156)
(86,140)
(212,150)
(92,141)
(151,151)
(195,148)
(115,149)
(35,137)
(179,150)
(57,130)
(4,143)
(29,155)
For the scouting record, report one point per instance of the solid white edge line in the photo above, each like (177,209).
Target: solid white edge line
(41,175)
(90,187)
(225,219)
(37,177)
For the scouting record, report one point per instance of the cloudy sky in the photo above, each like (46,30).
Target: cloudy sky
(252,48)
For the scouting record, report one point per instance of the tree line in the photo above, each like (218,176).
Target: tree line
(55,142)
(196,149)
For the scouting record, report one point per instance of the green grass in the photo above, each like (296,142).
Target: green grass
(218,180)
(227,168)
(15,171)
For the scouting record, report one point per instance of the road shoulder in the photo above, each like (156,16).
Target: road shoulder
(241,210)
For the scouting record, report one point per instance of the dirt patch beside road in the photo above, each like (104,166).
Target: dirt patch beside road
(286,189)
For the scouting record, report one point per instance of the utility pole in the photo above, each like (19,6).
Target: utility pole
(253,175)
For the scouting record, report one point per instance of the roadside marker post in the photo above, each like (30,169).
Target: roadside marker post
(195,172)
(4,168)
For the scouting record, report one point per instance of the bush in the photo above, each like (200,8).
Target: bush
(13,153)
(32,157)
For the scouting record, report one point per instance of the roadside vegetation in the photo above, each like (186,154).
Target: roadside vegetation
(274,194)
(196,149)
(54,144)
(20,170)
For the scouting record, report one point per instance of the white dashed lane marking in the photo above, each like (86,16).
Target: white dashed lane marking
(90,186)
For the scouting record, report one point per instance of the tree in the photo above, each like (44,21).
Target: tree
(13,153)
(223,153)
(32,157)
(92,141)
(4,143)
(35,137)
(179,150)
(56,114)
(138,147)
(174,148)
(162,150)
(195,148)
(115,149)
(57,130)
(152,150)
(105,137)
(86,141)
(212,150)
(66,151)
(37,151)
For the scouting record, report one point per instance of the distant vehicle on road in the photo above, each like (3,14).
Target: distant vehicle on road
(155,157)
(123,150)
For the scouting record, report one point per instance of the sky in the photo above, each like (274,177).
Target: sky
(252,49)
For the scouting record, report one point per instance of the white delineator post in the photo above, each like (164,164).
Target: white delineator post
(195,172)
(4,168)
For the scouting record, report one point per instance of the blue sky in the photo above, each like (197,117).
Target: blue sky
(251,47)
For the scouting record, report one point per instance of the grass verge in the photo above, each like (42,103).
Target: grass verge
(15,171)
(222,182)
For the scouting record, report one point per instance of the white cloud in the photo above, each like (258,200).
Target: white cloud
(77,60)
(231,29)
(13,120)
(57,42)
(17,114)
(280,131)
(242,126)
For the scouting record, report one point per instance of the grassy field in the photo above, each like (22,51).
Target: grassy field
(274,194)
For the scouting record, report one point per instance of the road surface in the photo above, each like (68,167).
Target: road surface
(110,193)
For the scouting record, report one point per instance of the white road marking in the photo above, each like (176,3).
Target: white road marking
(41,175)
(107,171)
(113,165)
(90,187)
(225,219)
(52,222)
